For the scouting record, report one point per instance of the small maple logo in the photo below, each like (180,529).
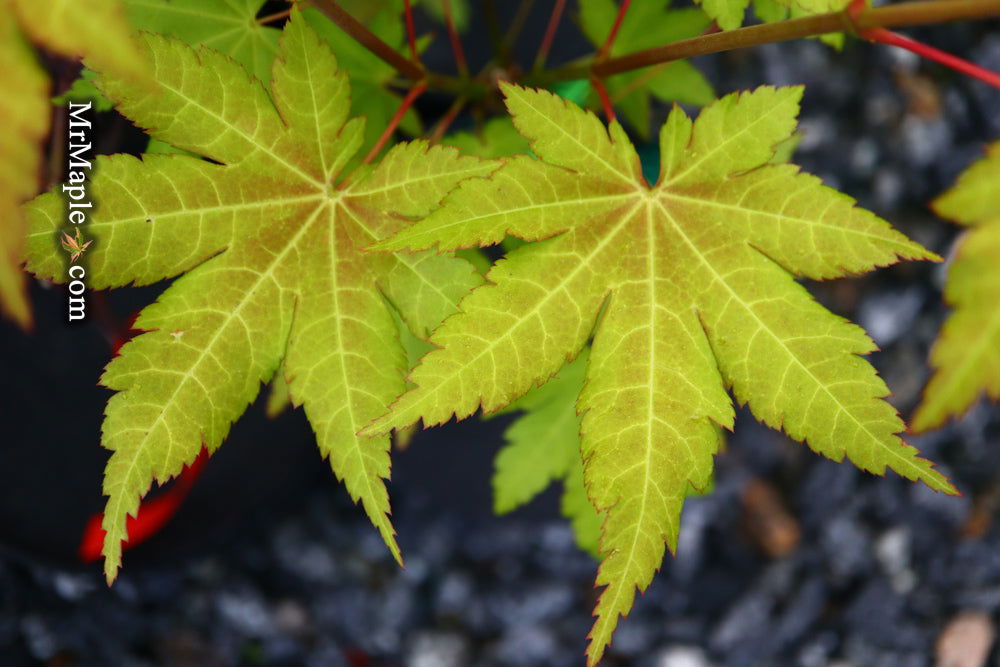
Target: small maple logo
(74,245)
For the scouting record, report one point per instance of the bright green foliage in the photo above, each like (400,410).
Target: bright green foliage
(966,357)
(24,117)
(498,138)
(817,6)
(269,244)
(83,90)
(228,26)
(544,445)
(770,11)
(729,13)
(647,24)
(369,75)
(694,282)
(93,28)
(459,11)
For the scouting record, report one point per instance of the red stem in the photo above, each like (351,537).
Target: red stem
(368,39)
(277,16)
(550,34)
(937,55)
(411,32)
(407,102)
(602,92)
(456,43)
(447,120)
(609,42)
(884,36)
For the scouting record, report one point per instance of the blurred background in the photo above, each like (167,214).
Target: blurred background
(793,560)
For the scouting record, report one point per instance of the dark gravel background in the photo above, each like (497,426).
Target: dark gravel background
(792,560)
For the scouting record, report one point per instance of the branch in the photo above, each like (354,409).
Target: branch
(404,106)
(550,33)
(605,50)
(456,42)
(369,40)
(919,12)
(411,33)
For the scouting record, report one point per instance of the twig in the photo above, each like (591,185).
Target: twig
(446,120)
(456,43)
(550,33)
(602,92)
(493,29)
(404,106)
(277,16)
(609,42)
(954,62)
(411,32)
(369,40)
(883,36)
(918,12)
(515,27)
(647,76)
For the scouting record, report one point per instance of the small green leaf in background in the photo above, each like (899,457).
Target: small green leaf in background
(92,28)
(647,24)
(24,116)
(498,138)
(228,26)
(543,446)
(83,90)
(966,356)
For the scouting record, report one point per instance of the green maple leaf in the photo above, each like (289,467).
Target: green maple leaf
(966,356)
(228,26)
(648,24)
(24,115)
(770,11)
(687,287)
(371,78)
(93,28)
(543,445)
(268,237)
(497,138)
(460,12)
(728,14)
(231,27)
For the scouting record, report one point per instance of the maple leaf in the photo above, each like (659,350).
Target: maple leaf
(648,24)
(694,282)
(728,14)
(268,235)
(497,138)
(966,356)
(228,26)
(24,116)
(95,28)
(231,27)
(74,245)
(770,11)
(370,75)
(543,445)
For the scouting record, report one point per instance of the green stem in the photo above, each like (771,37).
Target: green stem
(493,32)
(919,12)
